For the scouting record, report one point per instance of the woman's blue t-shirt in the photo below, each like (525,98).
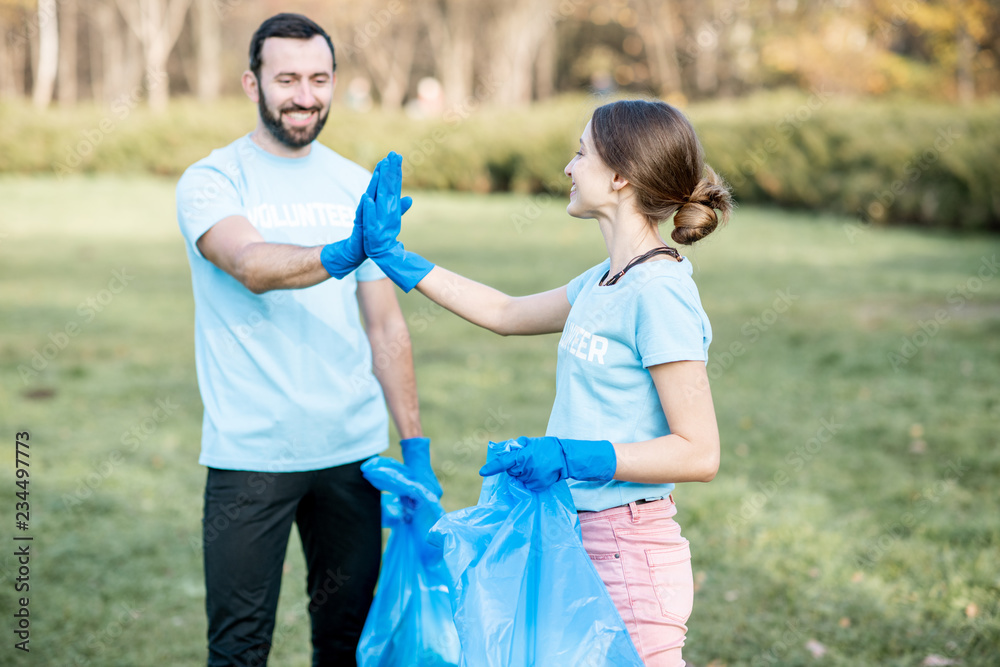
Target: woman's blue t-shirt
(613,334)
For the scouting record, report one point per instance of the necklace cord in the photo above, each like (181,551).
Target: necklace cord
(661,250)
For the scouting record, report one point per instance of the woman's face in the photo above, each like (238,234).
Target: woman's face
(592,180)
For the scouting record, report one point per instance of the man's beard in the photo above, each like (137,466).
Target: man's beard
(296,137)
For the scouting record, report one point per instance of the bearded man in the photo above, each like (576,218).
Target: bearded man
(293,401)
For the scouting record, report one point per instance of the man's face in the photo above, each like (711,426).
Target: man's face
(295,88)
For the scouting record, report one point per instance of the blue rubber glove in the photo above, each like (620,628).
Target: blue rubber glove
(381,228)
(541,462)
(417,457)
(342,257)
(390,475)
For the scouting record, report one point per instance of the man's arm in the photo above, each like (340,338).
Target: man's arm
(392,354)
(236,247)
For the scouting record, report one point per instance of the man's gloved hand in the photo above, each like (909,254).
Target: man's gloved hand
(381,227)
(417,457)
(344,256)
(541,462)
(388,474)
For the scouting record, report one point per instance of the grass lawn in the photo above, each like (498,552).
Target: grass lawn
(854,370)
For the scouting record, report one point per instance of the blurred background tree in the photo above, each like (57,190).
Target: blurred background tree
(512,52)
(882,109)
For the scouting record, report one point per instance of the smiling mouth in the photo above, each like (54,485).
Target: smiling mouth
(300,118)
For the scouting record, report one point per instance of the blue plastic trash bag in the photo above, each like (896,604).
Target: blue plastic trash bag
(410,621)
(524,591)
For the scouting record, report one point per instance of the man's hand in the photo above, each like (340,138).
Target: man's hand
(417,457)
(390,475)
(382,221)
(541,462)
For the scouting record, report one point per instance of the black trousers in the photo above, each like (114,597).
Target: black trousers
(248,518)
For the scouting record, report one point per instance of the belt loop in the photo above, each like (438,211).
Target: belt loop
(635,511)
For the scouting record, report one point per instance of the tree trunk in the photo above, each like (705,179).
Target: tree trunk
(209,49)
(451,26)
(724,60)
(133,63)
(656,30)
(68,52)
(709,41)
(8,89)
(965,85)
(157,24)
(48,54)
(156,79)
(458,70)
(111,36)
(390,70)
(389,59)
(545,66)
(520,27)
(20,63)
(97,65)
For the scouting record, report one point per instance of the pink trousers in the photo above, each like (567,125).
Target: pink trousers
(646,565)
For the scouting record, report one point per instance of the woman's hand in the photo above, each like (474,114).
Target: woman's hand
(541,462)
(381,222)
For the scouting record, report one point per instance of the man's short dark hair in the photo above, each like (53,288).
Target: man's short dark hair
(293,26)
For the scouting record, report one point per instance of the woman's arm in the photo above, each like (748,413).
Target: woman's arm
(491,309)
(691,452)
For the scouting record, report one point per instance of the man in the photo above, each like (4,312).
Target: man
(292,405)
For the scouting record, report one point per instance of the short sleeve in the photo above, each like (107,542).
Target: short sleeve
(205,195)
(670,324)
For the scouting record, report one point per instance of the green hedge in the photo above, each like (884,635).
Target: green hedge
(888,161)
(884,161)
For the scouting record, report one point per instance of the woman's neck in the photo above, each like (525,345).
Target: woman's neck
(628,236)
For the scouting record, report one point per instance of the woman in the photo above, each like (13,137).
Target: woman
(633,412)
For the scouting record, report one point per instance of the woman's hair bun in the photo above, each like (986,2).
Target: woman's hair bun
(700,215)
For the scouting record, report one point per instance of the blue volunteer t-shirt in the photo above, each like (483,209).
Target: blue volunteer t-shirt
(285,376)
(613,334)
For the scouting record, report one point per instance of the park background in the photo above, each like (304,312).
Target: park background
(853,295)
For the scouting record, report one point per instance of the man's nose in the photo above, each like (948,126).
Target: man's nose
(304,96)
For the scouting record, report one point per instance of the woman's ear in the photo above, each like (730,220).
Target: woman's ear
(618,182)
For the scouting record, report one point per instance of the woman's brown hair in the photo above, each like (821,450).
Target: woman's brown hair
(653,146)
